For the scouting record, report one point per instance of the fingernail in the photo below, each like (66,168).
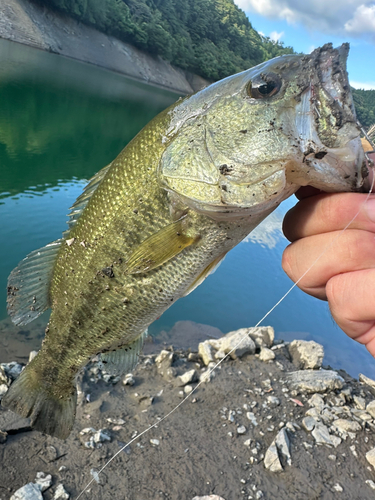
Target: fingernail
(370,208)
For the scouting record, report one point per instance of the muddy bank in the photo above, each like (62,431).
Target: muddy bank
(24,22)
(251,430)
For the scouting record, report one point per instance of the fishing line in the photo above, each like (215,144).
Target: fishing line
(211,370)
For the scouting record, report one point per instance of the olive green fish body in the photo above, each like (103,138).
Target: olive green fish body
(153,224)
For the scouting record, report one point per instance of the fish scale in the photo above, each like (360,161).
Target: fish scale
(152,225)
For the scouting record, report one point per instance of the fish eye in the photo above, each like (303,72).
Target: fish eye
(266,86)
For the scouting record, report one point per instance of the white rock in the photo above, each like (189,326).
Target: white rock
(322,436)
(317,401)
(370,408)
(342,425)
(155,442)
(315,380)
(241,429)
(209,497)
(43,480)
(309,423)
(250,415)
(271,459)
(61,493)
(263,336)
(283,445)
(206,352)
(30,491)
(129,379)
(101,436)
(188,389)
(370,457)
(370,483)
(239,341)
(273,401)
(266,354)
(187,377)
(165,358)
(359,402)
(3,390)
(338,487)
(306,354)
(366,380)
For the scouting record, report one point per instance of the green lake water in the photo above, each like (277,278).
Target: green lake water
(60,122)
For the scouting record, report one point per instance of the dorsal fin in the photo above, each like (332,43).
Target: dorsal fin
(77,208)
(28,284)
(123,359)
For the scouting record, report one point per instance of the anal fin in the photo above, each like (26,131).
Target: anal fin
(28,284)
(123,359)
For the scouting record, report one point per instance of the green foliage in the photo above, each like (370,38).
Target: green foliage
(364,101)
(213,38)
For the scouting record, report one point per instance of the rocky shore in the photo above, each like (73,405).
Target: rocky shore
(271,421)
(30,24)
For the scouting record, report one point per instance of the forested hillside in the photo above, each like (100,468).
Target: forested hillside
(212,38)
(365,106)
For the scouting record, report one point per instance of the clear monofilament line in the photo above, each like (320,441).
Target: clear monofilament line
(324,251)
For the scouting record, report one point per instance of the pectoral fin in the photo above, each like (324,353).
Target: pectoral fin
(210,269)
(160,247)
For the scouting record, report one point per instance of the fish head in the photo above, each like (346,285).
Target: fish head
(244,144)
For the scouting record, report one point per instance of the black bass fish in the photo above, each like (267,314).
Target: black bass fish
(154,223)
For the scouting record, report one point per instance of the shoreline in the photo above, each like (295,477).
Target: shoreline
(29,24)
(270,422)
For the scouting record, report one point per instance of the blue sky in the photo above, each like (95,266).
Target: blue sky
(307,24)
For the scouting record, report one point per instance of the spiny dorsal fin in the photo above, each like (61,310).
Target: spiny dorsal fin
(159,248)
(28,284)
(123,359)
(77,208)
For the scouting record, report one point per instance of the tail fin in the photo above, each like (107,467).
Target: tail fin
(48,413)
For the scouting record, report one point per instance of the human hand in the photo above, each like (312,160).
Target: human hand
(345,274)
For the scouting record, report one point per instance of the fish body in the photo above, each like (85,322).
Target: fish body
(154,223)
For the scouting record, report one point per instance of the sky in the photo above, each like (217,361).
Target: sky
(307,24)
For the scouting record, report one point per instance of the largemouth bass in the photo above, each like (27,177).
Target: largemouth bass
(154,223)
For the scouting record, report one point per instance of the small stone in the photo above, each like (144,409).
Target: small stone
(366,380)
(370,483)
(188,389)
(250,415)
(241,429)
(187,378)
(353,450)
(165,358)
(273,401)
(309,423)
(247,442)
(322,436)
(115,421)
(317,401)
(315,380)
(209,497)
(306,354)
(61,493)
(332,457)
(370,457)
(266,354)
(43,480)
(101,436)
(342,425)
(3,437)
(237,343)
(155,442)
(283,445)
(129,379)
(359,402)
(30,491)
(370,408)
(338,487)
(206,352)
(271,459)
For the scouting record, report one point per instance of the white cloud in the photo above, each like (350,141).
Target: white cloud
(365,86)
(275,36)
(363,20)
(347,17)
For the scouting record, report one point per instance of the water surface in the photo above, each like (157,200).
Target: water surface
(60,122)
